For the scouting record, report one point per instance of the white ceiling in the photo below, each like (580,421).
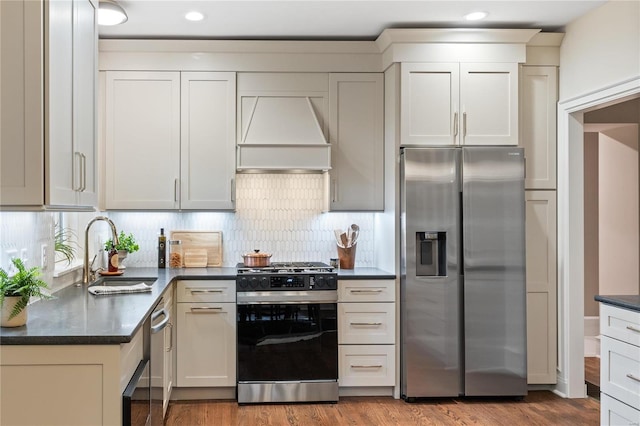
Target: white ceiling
(332,19)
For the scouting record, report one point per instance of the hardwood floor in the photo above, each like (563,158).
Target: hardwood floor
(592,376)
(538,408)
(592,370)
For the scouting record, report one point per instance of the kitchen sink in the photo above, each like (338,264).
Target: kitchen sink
(122,282)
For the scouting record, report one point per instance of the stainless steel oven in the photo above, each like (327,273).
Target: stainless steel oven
(287,335)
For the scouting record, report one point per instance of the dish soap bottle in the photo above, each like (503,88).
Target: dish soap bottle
(113,259)
(162,249)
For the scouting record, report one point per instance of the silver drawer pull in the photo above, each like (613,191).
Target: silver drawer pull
(632,328)
(367,366)
(632,377)
(365,291)
(206,291)
(206,309)
(366,323)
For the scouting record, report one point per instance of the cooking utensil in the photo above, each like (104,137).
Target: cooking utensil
(344,240)
(337,233)
(256,259)
(355,231)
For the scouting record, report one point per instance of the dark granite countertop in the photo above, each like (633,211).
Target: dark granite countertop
(364,274)
(76,317)
(631,302)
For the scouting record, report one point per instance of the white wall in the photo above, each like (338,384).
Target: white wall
(591,251)
(600,48)
(618,211)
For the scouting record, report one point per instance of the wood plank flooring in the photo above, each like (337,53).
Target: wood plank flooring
(538,408)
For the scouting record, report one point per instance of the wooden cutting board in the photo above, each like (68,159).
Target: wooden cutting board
(193,244)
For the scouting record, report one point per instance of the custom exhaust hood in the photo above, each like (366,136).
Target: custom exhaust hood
(282,133)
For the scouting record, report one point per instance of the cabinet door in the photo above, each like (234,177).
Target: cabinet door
(64,163)
(85,52)
(489,103)
(142,140)
(21,121)
(541,286)
(356,108)
(538,99)
(429,103)
(206,344)
(208,155)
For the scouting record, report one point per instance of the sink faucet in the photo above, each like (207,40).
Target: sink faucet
(87,273)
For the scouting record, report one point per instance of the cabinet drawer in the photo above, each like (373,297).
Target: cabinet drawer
(620,324)
(367,291)
(367,365)
(620,370)
(206,291)
(366,323)
(614,412)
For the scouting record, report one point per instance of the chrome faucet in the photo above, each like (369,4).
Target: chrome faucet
(88,274)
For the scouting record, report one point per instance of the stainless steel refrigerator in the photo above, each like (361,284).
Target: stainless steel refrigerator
(463,296)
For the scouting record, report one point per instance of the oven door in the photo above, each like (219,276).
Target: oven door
(294,344)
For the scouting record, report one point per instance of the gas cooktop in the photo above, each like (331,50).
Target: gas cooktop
(286,268)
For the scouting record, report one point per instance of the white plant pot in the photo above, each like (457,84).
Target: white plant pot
(7,306)
(122,255)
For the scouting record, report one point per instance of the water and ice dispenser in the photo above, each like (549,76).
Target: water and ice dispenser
(431,254)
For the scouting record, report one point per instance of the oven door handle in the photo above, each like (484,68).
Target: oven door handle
(286,297)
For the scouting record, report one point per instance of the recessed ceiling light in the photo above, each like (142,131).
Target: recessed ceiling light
(111,13)
(194,16)
(475,16)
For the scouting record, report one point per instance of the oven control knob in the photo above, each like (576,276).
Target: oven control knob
(243,283)
(264,282)
(320,282)
(331,283)
(254,283)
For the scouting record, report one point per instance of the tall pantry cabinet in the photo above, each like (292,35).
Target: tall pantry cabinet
(538,98)
(169,140)
(48,78)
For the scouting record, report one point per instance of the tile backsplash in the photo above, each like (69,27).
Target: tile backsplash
(276,213)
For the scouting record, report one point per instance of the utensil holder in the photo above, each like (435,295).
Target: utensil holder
(347,256)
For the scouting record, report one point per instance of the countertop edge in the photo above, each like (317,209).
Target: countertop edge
(630,302)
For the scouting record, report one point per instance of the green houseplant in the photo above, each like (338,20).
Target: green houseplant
(16,290)
(64,244)
(126,244)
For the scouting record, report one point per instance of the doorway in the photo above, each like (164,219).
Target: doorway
(571,229)
(611,218)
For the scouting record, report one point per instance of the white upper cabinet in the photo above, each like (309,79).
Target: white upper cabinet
(142,140)
(356,115)
(538,103)
(207,144)
(459,104)
(430,96)
(48,103)
(169,140)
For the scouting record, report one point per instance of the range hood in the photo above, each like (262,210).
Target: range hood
(281,133)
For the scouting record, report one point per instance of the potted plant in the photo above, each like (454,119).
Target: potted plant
(15,292)
(126,244)
(64,244)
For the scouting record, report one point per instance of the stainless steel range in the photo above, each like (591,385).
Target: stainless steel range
(287,333)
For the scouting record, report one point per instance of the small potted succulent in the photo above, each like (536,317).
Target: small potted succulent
(126,244)
(17,290)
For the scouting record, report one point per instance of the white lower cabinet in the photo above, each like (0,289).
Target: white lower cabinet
(206,334)
(619,366)
(367,365)
(366,333)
